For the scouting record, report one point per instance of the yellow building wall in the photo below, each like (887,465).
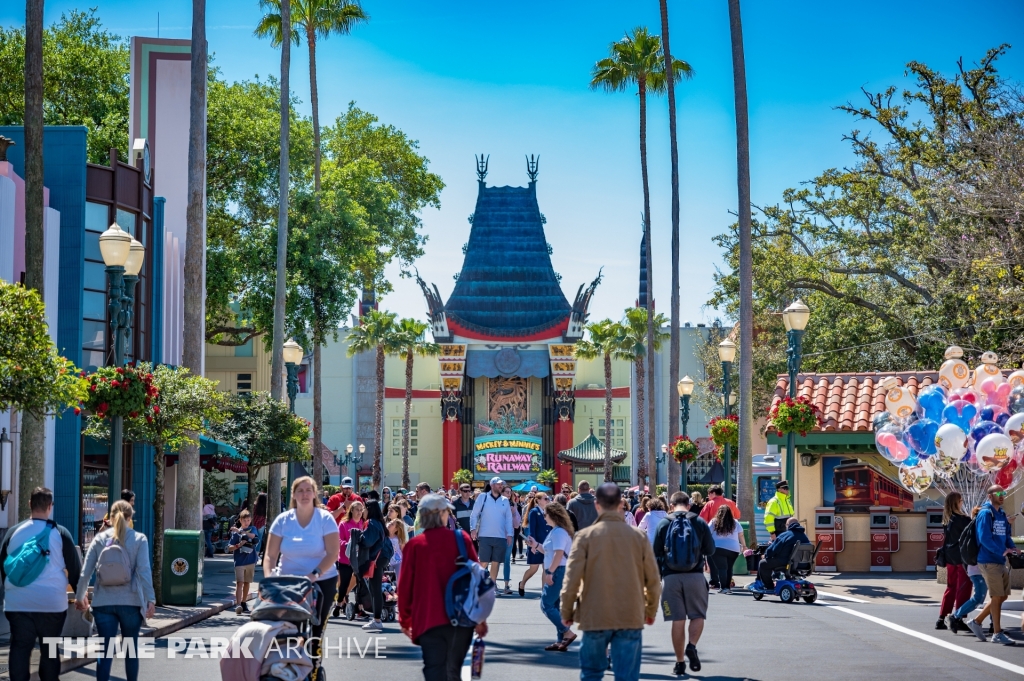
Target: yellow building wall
(223,366)
(425,442)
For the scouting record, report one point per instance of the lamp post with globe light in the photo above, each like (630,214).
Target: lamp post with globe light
(795,317)
(123,257)
(685,389)
(727,353)
(292,358)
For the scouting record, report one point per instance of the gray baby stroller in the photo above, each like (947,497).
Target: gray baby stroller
(294,600)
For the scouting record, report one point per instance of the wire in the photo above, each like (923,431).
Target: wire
(894,340)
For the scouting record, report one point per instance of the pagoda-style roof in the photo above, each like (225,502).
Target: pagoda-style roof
(507,288)
(590,451)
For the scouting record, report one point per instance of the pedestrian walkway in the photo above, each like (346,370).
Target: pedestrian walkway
(218,595)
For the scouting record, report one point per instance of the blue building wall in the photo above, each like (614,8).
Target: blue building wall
(64,160)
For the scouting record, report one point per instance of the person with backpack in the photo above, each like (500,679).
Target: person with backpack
(682,545)
(429,562)
(123,595)
(977,599)
(992,535)
(611,589)
(729,544)
(555,550)
(376,546)
(958,585)
(33,557)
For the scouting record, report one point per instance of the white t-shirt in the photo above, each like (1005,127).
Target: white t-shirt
(303,548)
(48,592)
(729,542)
(557,539)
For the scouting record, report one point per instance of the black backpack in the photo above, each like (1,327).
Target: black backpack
(969,544)
(682,545)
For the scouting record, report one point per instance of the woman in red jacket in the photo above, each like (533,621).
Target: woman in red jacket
(428,562)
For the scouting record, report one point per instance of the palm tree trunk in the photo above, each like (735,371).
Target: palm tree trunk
(314,98)
(609,429)
(651,401)
(641,434)
(188,493)
(33,446)
(744,484)
(378,425)
(280,292)
(674,469)
(408,413)
(158,523)
(318,422)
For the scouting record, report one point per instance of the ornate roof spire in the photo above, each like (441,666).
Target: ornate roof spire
(531,167)
(481,166)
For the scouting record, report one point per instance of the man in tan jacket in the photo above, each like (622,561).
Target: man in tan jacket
(612,587)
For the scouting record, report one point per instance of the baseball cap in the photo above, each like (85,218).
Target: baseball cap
(435,502)
(497,481)
(346,482)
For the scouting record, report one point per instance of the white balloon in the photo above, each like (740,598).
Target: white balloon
(1014,427)
(918,478)
(951,441)
(994,451)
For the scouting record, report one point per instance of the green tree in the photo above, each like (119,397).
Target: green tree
(85,80)
(637,60)
(410,338)
(605,341)
(317,19)
(633,348)
(463,476)
(378,333)
(265,432)
(185,404)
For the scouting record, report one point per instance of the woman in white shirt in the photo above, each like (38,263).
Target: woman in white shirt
(556,552)
(729,543)
(304,542)
(649,523)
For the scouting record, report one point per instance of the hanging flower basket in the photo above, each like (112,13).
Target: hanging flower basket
(684,450)
(798,415)
(725,430)
(119,391)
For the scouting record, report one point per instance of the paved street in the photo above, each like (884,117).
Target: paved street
(885,634)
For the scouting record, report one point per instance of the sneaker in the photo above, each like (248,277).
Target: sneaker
(691,655)
(680,668)
(245,607)
(508,590)
(956,624)
(940,624)
(238,610)
(976,630)
(373,626)
(1001,637)
(726,591)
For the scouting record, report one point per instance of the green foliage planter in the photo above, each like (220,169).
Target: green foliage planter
(120,391)
(684,450)
(725,430)
(798,415)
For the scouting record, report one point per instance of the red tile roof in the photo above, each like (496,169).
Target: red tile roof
(848,402)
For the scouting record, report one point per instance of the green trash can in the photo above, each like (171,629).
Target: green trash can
(740,566)
(183,567)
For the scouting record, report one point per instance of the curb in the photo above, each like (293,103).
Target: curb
(73,663)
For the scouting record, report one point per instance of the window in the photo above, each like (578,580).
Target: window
(396,433)
(94,296)
(243,383)
(413,451)
(126,221)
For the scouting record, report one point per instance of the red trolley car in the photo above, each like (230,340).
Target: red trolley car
(860,485)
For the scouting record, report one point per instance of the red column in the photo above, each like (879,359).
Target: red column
(563,441)
(451,450)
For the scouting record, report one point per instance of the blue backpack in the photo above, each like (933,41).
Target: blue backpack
(682,545)
(470,594)
(28,562)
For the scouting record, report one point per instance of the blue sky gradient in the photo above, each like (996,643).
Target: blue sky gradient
(510,79)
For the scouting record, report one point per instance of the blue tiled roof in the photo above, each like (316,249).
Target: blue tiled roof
(507,287)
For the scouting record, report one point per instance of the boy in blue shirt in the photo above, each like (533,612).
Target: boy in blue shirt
(244,544)
(993,531)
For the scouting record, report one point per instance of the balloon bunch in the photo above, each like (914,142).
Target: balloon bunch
(957,423)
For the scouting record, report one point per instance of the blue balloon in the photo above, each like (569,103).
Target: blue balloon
(981,429)
(932,401)
(994,413)
(960,413)
(911,460)
(920,436)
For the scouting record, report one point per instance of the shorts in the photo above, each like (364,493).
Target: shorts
(492,549)
(244,573)
(684,595)
(997,578)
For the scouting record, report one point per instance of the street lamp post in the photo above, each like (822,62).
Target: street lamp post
(795,317)
(685,389)
(292,359)
(132,267)
(6,467)
(116,250)
(727,353)
(350,458)
(659,459)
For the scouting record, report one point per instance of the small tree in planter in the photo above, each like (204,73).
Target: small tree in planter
(798,415)
(684,450)
(548,477)
(463,476)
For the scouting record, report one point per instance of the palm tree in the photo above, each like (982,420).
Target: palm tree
(637,60)
(317,19)
(410,338)
(280,285)
(744,486)
(634,349)
(673,360)
(377,332)
(188,505)
(605,341)
(33,428)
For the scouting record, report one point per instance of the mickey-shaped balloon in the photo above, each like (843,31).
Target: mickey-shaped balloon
(960,413)
(890,446)
(981,430)
(920,436)
(932,400)
(993,412)
(995,393)
(1015,403)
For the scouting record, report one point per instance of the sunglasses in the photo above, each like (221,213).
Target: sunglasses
(999,494)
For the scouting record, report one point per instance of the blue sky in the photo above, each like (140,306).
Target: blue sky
(510,79)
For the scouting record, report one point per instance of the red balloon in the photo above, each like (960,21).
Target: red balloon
(1004,478)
